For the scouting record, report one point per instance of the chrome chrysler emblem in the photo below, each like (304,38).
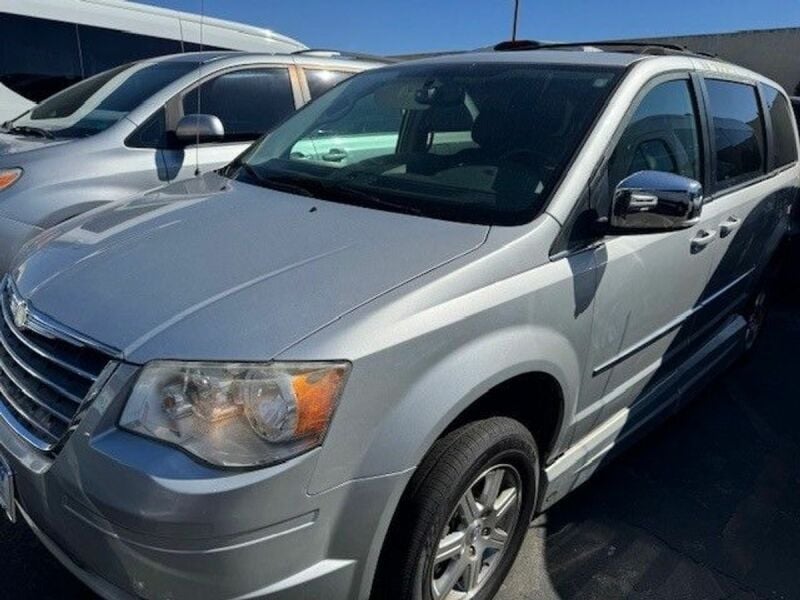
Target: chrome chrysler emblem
(19,310)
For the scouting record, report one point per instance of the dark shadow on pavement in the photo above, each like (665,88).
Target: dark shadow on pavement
(705,507)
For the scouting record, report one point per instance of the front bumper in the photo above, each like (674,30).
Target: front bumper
(136,519)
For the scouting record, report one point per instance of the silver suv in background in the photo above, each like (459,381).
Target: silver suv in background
(137,127)
(309,378)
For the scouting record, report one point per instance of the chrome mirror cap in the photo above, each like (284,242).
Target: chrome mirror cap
(656,201)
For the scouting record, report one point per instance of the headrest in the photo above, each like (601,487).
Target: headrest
(492,129)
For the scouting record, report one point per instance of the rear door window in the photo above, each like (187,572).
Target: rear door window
(784,146)
(738,132)
(38,57)
(249,102)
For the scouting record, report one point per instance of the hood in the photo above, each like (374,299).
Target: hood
(16,144)
(220,270)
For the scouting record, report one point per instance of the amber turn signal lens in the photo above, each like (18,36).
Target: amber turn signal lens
(316,395)
(9,177)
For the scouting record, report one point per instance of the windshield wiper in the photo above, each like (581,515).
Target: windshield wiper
(30,131)
(366,199)
(320,188)
(275,183)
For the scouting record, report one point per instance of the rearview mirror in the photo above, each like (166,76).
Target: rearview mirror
(656,201)
(194,129)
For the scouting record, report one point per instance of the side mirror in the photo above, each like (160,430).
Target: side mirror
(192,129)
(656,201)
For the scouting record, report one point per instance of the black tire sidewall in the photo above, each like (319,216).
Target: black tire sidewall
(516,448)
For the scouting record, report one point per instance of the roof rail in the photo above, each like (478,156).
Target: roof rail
(327,53)
(636,47)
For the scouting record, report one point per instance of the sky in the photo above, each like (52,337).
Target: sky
(407,26)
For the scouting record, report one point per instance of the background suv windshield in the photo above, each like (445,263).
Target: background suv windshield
(481,143)
(97,103)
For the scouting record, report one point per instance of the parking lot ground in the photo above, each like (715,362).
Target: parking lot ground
(705,507)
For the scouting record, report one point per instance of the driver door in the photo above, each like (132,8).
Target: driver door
(649,284)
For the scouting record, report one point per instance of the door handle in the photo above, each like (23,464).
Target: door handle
(704,239)
(729,226)
(334,155)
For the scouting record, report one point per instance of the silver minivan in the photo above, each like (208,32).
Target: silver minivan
(310,378)
(136,127)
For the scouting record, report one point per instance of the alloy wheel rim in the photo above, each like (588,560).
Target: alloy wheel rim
(476,535)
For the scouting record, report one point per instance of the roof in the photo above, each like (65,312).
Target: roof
(554,57)
(196,57)
(196,18)
(204,58)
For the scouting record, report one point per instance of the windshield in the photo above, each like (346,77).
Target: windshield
(99,102)
(481,143)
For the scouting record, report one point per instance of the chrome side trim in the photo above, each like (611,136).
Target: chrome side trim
(667,329)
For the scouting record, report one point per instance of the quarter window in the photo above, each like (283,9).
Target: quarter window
(738,132)
(661,136)
(321,80)
(784,146)
(249,102)
(151,134)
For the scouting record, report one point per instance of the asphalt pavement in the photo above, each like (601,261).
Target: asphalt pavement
(706,507)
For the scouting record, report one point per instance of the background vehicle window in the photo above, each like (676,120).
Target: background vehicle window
(662,136)
(321,80)
(152,134)
(784,146)
(366,117)
(249,102)
(103,49)
(70,100)
(97,103)
(38,57)
(738,132)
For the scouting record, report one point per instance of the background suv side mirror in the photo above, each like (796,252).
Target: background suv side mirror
(192,129)
(656,201)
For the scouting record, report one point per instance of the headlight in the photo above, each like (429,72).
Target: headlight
(9,177)
(236,415)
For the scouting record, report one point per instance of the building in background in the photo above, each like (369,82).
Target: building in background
(772,52)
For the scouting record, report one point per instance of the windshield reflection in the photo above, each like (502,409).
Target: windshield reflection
(97,103)
(483,143)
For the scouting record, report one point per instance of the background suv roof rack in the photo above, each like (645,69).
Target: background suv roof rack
(328,53)
(636,47)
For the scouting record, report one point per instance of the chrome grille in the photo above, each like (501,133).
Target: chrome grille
(44,378)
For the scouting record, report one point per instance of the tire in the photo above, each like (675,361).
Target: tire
(437,515)
(759,304)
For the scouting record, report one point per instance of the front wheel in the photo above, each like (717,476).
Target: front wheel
(466,514)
